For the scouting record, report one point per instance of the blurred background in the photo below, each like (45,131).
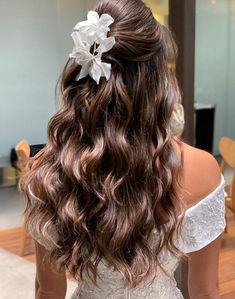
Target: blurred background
(35,44)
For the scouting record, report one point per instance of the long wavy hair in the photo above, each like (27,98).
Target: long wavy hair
(108,175)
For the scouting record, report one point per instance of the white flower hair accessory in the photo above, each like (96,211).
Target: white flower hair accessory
(90,42)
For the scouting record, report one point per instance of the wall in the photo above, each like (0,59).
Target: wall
(231,73)
(160,9)
(35,43)
(215,62)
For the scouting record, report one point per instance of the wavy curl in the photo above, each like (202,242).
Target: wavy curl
(108,175)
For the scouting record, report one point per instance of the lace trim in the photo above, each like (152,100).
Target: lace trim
(221,186)
(203,223)
(111,286)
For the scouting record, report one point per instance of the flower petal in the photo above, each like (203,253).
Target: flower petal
(82,38)
(77,39)
(82,25)
(95,71)
(81,49)
(73,54)
(84,72)
(101,34)
(92,32)
(105,20)
(106,45)
(106,70)
(93,17)
(83,58)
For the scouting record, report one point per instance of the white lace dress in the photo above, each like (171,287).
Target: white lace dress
(202,224)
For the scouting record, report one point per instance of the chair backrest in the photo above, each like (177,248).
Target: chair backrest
(232,189)
(23,153)
(227,151)
(24,146)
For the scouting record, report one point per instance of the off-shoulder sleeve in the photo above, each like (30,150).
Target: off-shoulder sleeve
(47,242)
(204,222)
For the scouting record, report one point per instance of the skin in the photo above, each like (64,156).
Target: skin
(49,284)
(200,177)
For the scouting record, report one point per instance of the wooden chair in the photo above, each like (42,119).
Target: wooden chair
(227,151)
(23,153)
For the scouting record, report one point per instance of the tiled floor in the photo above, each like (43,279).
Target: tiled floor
(19,278)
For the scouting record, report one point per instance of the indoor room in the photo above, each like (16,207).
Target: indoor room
(40,39)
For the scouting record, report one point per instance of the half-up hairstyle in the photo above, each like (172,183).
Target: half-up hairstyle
(108,175)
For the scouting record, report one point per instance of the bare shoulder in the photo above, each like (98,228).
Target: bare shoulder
(200,174)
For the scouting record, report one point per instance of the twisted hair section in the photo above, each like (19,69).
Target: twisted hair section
(108,175)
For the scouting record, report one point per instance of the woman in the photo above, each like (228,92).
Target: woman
(114,199)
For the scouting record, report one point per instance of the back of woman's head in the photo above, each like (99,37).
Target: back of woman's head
(108,174)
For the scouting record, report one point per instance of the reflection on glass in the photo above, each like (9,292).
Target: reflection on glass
(160,10)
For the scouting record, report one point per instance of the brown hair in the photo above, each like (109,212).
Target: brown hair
(108,174)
